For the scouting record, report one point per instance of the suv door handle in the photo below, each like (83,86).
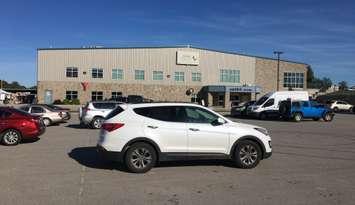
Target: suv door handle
(152,127)
(194,129)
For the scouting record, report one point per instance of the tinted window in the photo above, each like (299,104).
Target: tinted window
(296,104)
(261,100)
(104,105)
(269,103)
(37,110)
(163,113)
(25,108)
(199,115)
(305,104)
(4,114)
(114,112)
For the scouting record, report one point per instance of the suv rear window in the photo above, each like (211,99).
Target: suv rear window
(114,112)
(104,105)
(163,113)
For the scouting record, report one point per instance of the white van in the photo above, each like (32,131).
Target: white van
(268,105)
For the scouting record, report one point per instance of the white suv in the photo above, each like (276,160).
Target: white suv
(341,106)
(140,135)
(94,113)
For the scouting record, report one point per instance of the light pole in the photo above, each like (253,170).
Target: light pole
(278,53)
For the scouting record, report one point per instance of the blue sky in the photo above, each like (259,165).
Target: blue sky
(319,32)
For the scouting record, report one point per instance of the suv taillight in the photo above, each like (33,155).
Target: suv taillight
(111,126)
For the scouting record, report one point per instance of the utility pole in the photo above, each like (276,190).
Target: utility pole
(278,53)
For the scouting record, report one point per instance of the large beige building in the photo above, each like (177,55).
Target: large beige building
(161,74)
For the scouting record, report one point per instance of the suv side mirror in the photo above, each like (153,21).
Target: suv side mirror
(218,121)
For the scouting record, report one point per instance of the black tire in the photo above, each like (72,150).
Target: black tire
(336,109)
(11,137)
(140,158)
(297,117)
(47,122)
(316,118)
(328,117)
(96,123)
(247,154)
(263,116)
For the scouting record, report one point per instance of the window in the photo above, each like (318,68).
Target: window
(296,104)
(4,114)
(117,74)
(179,76)
(196,77)
(116,95)
(72,72)
(305,104)
(230,76)
(139,74)
(293,80)
(104,105)
(71,95)
(114,112)
(97,95)
(199,115)
(97,73)
(269,103)
(37,110)
(158,75)
(25,108)
(163,113)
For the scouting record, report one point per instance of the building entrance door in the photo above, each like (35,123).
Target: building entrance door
(48,97)
(218,99)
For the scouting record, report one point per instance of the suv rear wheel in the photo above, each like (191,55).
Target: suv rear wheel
(140,158)
(247,154)
(11,137)
(96,123)
(328,117)
(297,117)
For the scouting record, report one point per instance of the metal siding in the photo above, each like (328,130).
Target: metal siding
(52,65)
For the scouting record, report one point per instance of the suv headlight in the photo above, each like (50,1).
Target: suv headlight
(262,130)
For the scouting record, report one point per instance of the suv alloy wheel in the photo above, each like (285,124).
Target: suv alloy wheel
(97,122)
(247,154)
(140,158)
(297,117)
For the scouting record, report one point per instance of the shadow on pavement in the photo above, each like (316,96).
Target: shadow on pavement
(77,126)
(87,156)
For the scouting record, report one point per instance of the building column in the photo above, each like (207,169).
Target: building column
(227,103)
(209,99)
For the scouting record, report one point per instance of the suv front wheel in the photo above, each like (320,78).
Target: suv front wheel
(247,154)
(140,158)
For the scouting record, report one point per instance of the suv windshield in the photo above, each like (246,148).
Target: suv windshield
(261,100)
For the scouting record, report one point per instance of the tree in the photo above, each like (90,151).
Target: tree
(343,85)
(325,84)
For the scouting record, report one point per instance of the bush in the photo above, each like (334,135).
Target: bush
(57,102)
(66,102)
(76,102)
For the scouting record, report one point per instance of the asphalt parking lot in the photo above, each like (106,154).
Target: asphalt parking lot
(312,163)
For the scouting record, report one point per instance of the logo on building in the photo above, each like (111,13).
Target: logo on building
(84,85)
(187,58)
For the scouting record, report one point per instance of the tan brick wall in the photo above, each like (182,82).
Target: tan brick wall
(266,74)
(154,92)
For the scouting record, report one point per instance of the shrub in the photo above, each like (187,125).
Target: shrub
(66,102)
(75,102)
(57,102)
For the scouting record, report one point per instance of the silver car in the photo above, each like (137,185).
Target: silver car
(48,115)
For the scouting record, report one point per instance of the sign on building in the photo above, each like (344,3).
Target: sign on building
(187,58)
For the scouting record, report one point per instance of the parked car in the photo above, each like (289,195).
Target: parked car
(298,110)
(352,88)
(241,108)
(94,113)
(140,135)
(268,105)
(65,112)
(339,105)
(48,115)
(17,125)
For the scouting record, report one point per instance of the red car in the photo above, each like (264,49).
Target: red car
(17,125)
